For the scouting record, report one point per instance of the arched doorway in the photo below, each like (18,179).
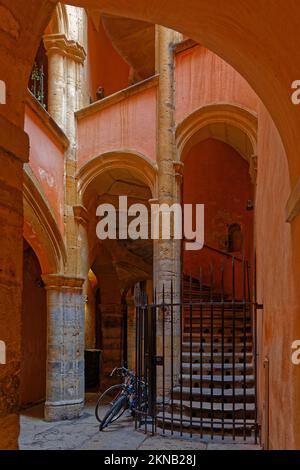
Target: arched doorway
(117,264)
(34,337)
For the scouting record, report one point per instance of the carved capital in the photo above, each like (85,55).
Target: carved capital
(61,282)
(59,44)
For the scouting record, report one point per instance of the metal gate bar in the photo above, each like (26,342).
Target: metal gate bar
(201,379)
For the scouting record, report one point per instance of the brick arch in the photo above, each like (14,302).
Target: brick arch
(229,123)
(40,229)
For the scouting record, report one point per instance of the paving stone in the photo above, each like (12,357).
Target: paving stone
(165,443)
(83,434)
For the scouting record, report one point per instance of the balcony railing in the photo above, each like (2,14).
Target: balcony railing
(37,84)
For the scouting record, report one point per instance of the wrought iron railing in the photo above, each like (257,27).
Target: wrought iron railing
(37,84)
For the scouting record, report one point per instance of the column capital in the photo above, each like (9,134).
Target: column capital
(61,282)
(153,201)
(60,44)
(14,140)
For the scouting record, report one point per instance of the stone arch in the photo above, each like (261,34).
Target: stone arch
(40,228)
(229,123)
(135,162)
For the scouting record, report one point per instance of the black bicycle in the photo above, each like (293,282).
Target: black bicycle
(118,398)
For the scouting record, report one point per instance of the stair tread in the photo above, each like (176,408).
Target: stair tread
(216,421)
(217,378)
(216,391)
(216,365)
(216,406)
(225,354)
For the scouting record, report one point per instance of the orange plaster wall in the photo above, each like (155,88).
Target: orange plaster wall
(106,67)
(129,124)
(203,78)
(217,176)
(276,287)
(47,162)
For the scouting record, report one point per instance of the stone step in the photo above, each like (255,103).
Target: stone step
(237,395)
(207,328)
(217,369)
(198,426)
(213,410)
(226,407)
(216,347)
(217,318)
(197,337)
(217,381)
(217,357)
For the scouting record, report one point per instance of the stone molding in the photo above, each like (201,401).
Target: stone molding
(236,116)
(61,282)
(34,198)
(117,97)
(127,159)
(59,44)
(185,45)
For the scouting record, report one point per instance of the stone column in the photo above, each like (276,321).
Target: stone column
(66,58)
(14,150)
(65,355)
(167,266)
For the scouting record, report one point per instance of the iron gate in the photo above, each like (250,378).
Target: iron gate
(196,358)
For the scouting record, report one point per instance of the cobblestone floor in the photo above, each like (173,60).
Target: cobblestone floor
(83,434)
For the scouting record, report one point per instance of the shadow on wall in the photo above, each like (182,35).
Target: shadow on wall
(34,338)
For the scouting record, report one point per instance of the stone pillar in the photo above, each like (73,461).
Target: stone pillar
(14,150)
(167,266)
(65,355)
(66,58)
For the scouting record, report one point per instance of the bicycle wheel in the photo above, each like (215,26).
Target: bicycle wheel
(115,412)
(107,399)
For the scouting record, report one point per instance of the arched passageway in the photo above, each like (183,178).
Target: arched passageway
(117,264)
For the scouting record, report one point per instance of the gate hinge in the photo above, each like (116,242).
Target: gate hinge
(259,306)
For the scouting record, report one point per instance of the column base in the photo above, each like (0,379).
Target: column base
(60,411)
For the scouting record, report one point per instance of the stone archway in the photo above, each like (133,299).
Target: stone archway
(40,229)
(117,264)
